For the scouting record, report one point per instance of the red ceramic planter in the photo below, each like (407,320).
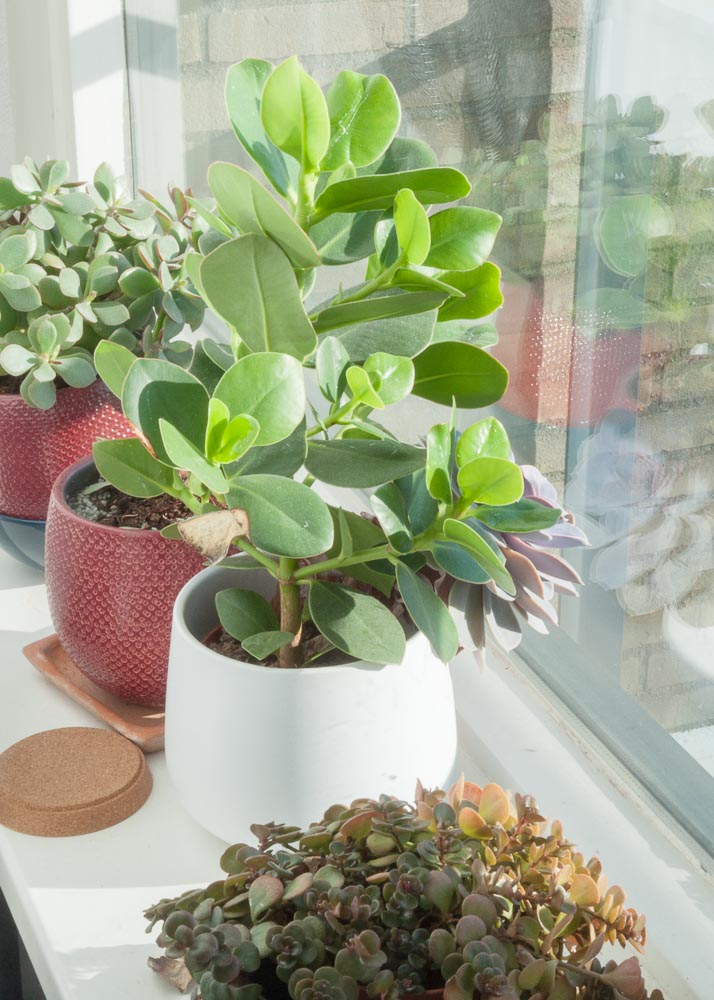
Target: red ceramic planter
(111,593)
(36,445)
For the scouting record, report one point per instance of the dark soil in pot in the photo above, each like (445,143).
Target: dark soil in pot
(104,504)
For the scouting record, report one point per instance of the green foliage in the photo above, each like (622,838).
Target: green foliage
(83,265)
(469,892)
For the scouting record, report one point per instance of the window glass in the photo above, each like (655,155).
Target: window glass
(573,121)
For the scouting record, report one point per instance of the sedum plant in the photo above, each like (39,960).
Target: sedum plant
(471,893)
(235,439)
(83,263)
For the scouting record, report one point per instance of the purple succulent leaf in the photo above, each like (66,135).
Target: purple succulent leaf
(561,587)
(524,574)
(549,588)
(562,535)
(537,486)
(537,607)
(537,624)
(497,592)
(502,621)
(467,601)
(545,562)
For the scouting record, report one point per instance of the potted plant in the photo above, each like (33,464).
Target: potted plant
(469,896)
(79,264)
(334,623)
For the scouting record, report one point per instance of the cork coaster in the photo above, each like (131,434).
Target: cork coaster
(143,726)
(64,782)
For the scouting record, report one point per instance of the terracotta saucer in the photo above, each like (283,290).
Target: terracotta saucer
(64,782)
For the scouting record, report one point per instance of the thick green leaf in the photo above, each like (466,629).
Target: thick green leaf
(76,370)
(462,237)
(476,546)
(19,292)
(403,154)
(265,892)
(281,459)
(342,239)
(359,194)
(412,226)
(127,465)
(360,385)
(484,439)
(228,439)
(406,336)
(10,197)
(438,462)
(494,481)
(391,375)
(244,88)
(16,359)
(155,389)
(113,362)
(459,563)
(249,282)
(413,279)
(482,293)
(264,644)
(389,506)
(17,249)
(523,515)
(247,204)
(421,507)
(447,372)
(187,457)
(243,613)
(294,114)
(428,612)
(376,308)
(285,517)
(364,115)
(362,464)
(111,313)
(357,624)
(331,363)
(137,281)
(268,387)
(465,331)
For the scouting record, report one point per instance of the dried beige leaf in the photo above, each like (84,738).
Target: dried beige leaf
(212,534)
(173,970)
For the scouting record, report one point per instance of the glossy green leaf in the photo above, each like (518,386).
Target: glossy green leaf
(285,517)
(155,389)
(421,507)
(16,359)
(268,387)
(342,239)
(187,457)
(247,204)
(331,363)
(482,293)
(466,331)
(493,563)
(406,336)
(249,282)
(127,464)
(389,506)
(294,114)
(447,372)
(376,308)
(364,116)
(462,237)
(428,612)
(494,481)
(228,439)
(113,362)
(243,613)
(17,249)
(412,226)
(264,644)
(431,186)
(74,369)
(362,464)
(391,375)
(281,459)
(361,388)
(244,88)
(458,562)
(10,196)
(484,439)
(19,292)
(438,462)
(523,515)
(137,281)
(413,279)
(357,624)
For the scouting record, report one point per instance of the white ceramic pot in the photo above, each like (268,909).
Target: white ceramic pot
(250,744)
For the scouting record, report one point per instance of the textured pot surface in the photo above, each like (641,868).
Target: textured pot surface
(286,744)
(36,445)
(110,593)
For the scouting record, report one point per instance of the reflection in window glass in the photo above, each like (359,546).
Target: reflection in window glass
(575,124)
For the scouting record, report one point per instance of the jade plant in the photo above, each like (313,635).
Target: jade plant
(230,436)
(82,263)
(471,893)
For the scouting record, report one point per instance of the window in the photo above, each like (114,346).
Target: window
(577,124)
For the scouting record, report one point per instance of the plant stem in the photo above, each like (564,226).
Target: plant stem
(333,418)
(305,197)
(250,550)
(290,612)
(339,562)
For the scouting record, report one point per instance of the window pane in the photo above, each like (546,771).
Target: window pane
(573,121)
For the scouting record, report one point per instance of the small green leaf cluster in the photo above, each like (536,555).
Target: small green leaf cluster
(83,263)
(468,892)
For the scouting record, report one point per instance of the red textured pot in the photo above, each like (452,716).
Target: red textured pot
(111,593)
(36,445)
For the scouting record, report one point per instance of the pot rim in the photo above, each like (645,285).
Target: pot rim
(59,488)
(179,623)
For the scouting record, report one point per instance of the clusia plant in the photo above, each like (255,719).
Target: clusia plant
(231,442)
(470,894)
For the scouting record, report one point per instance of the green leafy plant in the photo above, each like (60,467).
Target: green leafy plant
(471,893)
(229,436)
(84,263)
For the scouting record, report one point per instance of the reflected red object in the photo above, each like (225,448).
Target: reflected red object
(36,445)
(111,593)
(559,376)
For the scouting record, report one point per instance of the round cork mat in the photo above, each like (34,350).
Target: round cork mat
(64,782)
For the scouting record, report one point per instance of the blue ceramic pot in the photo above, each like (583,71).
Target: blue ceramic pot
(24,540)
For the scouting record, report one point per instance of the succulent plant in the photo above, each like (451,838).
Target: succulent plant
(84,262)
(480,897)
